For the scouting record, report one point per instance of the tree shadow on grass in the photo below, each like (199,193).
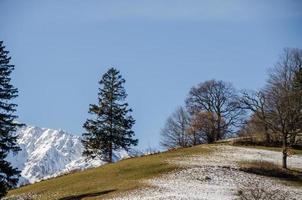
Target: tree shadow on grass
(81,196)
(269,169)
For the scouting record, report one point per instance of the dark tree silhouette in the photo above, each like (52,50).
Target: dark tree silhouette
(8,125)
(112,127)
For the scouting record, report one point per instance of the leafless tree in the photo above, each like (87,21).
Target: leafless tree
(257,103)
(194,133)
(175,132)
(254,131)
(204,125)
(221,100)
(279,104)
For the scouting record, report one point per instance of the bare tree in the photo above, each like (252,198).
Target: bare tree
(254,131)
(194,134)
(257,103)
(175,132)
(279,104)
(204,125)
(220,99)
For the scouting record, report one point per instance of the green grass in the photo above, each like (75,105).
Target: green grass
(108,180)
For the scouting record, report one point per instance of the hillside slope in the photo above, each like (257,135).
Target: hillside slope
(201,172)
(218,176)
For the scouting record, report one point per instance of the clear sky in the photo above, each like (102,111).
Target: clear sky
(62,47)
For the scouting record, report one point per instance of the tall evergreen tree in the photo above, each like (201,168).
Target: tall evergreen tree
(112,127)
(8,125)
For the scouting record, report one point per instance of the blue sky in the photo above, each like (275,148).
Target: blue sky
(162,48)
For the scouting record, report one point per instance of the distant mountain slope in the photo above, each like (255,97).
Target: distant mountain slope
(48,153)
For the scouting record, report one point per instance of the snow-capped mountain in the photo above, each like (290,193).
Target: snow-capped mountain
(48,153)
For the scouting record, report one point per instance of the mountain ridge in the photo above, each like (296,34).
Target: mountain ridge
(47,153)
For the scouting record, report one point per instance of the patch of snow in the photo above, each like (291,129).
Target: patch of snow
(213,176)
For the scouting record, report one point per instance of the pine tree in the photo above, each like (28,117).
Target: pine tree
(8,125)
(112,128)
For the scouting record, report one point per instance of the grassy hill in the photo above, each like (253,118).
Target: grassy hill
(116,178)
(107,180)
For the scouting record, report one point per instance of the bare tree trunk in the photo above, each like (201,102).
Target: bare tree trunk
(284,158)
(284,152)
(218,135)
(268,138)
(194,138)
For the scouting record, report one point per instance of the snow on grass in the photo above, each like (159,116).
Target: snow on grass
(215,176)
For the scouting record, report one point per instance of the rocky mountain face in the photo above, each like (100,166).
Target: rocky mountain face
(48,153)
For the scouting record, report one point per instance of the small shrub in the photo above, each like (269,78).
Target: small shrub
(257,190)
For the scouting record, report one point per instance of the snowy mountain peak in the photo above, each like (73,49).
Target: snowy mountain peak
(48,153)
